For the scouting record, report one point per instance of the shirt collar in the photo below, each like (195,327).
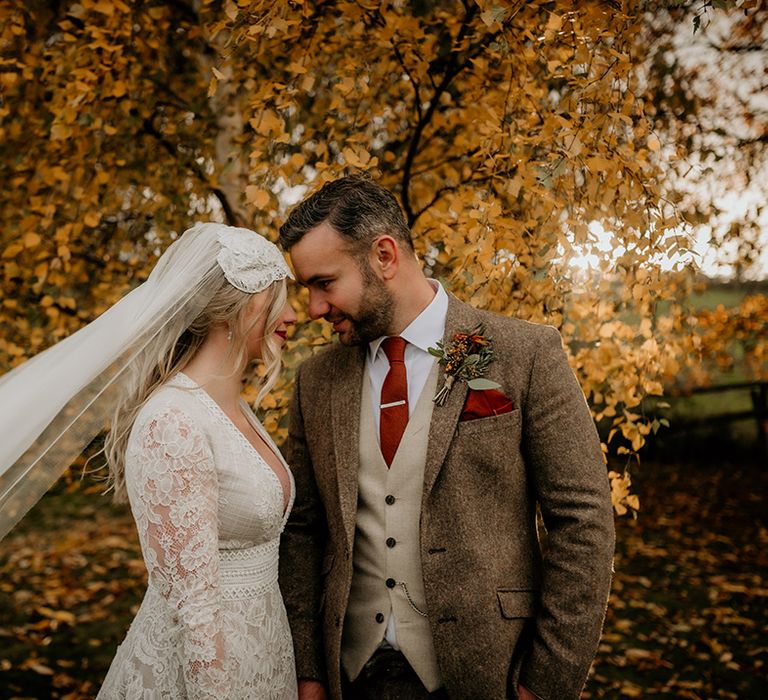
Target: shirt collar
(427,328)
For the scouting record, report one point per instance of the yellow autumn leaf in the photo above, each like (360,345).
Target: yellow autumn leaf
(60,132)
(599,163)
(555,22)
(267,122)
(296,161)
(358,157)
(105,7)
(32,240)
(41,669)
(257,196)
(296,68)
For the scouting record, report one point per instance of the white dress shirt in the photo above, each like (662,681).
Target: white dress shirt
(423,332)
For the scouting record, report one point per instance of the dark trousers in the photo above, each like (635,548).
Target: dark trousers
(388,676)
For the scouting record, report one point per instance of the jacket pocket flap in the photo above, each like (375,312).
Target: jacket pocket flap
(517,603)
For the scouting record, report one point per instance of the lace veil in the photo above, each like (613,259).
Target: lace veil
(56,403)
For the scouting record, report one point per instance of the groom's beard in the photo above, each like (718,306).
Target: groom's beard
(374,317)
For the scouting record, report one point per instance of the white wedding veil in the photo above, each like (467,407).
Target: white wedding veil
(53,405)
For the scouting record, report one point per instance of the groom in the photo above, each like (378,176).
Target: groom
(411,566)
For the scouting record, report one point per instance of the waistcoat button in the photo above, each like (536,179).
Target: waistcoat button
(379,617)
(391,542)
(389,500)
(391,583)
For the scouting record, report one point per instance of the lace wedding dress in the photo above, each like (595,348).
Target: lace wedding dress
(209,512)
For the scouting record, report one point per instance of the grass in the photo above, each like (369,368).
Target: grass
(712,297)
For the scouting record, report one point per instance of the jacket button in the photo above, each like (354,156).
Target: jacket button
(391,542)
(379,617)
(389,500)
(391,583)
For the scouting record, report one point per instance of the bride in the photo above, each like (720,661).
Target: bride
(208,488)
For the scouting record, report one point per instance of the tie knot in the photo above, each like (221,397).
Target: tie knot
(394,348)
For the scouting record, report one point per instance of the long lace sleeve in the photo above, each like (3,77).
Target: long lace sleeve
(175,497)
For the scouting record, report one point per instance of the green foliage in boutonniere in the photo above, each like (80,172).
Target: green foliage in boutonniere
(465,359)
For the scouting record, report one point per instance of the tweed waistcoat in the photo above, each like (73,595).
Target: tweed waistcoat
(387,550)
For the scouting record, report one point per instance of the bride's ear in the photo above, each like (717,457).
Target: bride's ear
(385,256)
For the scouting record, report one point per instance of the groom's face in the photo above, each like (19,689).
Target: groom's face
(343,288)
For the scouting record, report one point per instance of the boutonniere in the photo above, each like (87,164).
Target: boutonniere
(466,358)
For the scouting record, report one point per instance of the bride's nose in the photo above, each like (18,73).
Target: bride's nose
(289,315)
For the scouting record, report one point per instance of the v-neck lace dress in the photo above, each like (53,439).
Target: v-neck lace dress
(209,512)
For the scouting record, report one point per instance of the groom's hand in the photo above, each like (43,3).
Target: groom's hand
(312,690)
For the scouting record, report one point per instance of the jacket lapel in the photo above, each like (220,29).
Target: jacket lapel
(345,423)
(446,417)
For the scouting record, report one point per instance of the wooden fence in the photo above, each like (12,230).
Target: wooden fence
(758,392)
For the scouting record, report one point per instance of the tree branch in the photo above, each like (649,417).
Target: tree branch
(454,64)
(417,97)
(170,148)
(453,68)
(450,188)
(739,48)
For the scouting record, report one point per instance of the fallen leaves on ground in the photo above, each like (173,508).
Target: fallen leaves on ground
(71,578)
(687,617)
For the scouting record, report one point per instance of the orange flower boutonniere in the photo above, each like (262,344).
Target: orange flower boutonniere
(466,359)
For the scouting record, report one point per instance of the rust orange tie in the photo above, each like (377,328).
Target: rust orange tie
(394,399)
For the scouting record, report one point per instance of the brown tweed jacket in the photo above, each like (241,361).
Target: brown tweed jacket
(501,609)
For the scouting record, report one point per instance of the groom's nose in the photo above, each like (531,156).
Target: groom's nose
(318,307)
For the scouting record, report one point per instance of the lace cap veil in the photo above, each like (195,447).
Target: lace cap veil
(53,405)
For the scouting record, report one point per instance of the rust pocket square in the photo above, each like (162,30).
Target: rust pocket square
(485,403)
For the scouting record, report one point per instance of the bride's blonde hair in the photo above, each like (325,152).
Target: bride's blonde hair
(174,346)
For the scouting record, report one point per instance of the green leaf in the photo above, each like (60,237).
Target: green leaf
(480,384)
(436,352)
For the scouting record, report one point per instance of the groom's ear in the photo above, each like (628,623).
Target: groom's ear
(385,257)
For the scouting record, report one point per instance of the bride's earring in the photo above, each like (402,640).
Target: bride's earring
(229,335)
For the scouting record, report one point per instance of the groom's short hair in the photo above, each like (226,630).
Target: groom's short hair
(356,207)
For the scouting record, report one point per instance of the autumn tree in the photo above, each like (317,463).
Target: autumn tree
(706,93)
(515,134)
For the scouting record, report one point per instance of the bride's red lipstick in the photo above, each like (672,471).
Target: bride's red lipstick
(282,334)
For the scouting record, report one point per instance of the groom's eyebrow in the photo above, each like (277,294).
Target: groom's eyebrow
(314,279)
